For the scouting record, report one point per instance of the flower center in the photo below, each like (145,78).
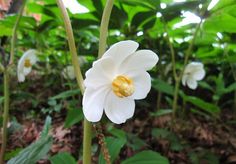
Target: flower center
(123,86)
(27,63)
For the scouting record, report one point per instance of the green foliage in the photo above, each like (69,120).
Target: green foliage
(161,112)
(175,144)
(147,157)
(207,107)
(163,86)
(73,116)
(66,94)
(62,158)
(36,150)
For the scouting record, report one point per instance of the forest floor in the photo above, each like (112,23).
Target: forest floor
(193,140)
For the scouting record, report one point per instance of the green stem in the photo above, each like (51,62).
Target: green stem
(175,101)
(72,47)
(13,39)
(171,51)
(6,84)
(178,80)
(190,47)
(5,115)
(104,27)
(87,138)
(1,68)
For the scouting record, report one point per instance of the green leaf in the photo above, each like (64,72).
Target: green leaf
(205,106)
(47,126)
(230,88)
(66,94)
(73,116)
(161,112)
(1,100)
(175,143)
(135,142)
(163,86)
(114,146)
(62,158)
(143,16)
(118,133)
(12,153)
(220,22)
(34,152)
(147,157)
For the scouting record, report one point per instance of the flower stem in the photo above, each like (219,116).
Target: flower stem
(5,115)
(72,47)
(178,79)
(87,138)
(104,27)
(13,39)
(171,51)
(6,84)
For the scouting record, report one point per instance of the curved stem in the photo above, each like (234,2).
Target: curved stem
(72,47)
(171,51)
(87,138)
(13,39)
(178,80)
(104,27)
(1,68)
(5,115)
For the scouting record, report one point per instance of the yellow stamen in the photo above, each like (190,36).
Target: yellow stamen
(123,86)
(27,63)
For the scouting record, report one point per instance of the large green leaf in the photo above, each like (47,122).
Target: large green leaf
(147,157)
(220,22)
(62,158)
(163,86)
(200,103)
(34,152)
(73,116)
(66,94)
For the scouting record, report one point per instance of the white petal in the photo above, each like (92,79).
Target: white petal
(118,110)
(192,67)
(142,59)
(100,74)
(199,74)
(121,50)
(142,84)
(27,70)
(192,83)
(93,103)
(68,72)
(21,77)
(184,79)
(32,56)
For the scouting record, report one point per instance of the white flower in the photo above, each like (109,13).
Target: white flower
(25,64)
(68,72)
(193,72)
(116,80)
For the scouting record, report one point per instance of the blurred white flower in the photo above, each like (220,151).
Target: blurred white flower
(116,80)
(68,72)
(25,63)
(193,72)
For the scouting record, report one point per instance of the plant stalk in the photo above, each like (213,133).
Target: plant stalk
(87,136)
(5,115)
(14,34)
(104,27)
(178,80)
